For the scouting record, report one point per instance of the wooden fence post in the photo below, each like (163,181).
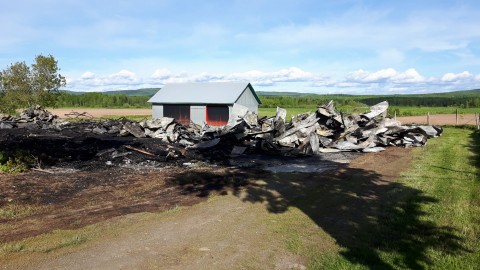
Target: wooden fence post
(477,116)
(395,115)
(428,118)
(456,117)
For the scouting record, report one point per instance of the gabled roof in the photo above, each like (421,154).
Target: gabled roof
(202,93)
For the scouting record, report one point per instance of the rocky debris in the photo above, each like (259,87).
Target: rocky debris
(32,118)
(37,113)
(325,130)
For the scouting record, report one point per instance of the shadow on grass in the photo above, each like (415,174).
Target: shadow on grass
(365,213)
(475,149)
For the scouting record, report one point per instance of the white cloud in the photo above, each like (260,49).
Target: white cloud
(122,76)
(292,74)
(162,73)
(88,81)
(87,76)
(409,76)
(389,75)
(452,77)
(360,81)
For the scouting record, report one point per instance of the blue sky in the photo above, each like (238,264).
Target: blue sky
(350,47)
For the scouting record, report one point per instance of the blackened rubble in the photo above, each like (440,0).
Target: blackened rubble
(124,142)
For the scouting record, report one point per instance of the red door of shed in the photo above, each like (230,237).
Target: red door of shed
(181,113)
(217,115)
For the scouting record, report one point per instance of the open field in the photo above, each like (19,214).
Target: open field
(398,209)
(439,119)
(101,112)
(420,111)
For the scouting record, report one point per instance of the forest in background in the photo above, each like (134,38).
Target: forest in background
(403,105)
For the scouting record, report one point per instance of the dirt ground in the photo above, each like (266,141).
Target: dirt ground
(101,112)
(440,119)
(217,234)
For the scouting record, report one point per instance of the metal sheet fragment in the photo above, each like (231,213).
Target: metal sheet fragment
(377,109)
(205,144)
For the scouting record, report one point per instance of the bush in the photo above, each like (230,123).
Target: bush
(18,161)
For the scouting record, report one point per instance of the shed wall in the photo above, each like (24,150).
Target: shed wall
(198,114)
(157,111)
(248,100)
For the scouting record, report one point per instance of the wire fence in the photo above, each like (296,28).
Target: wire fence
(443,119)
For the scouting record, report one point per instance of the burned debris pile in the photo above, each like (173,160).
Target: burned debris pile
(325,130)
(31,118)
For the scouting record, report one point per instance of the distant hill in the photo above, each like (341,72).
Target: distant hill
(274,94)
(462,92)
(149,92)
(297,94)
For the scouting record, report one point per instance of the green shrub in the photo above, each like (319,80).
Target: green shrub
(18,161)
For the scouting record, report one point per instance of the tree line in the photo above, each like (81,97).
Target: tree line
(427,100)
(100,100)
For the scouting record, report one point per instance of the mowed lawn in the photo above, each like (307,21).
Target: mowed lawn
(429,218)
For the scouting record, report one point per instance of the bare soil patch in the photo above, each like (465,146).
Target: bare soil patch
(439,119)
(101,112)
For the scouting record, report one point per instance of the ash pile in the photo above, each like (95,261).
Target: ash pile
(325,130)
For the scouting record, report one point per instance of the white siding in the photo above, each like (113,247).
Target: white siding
(198,114)
(248,100)
(157,111)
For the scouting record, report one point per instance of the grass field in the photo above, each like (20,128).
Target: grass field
(428,218)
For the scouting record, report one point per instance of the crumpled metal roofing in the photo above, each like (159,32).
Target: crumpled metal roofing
(202,93)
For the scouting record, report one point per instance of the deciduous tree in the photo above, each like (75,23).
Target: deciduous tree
(24,86)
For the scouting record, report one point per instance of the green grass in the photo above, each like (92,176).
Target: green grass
(16,161)
(428,218)
(14,210)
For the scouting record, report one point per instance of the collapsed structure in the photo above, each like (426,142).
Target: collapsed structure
(325,130)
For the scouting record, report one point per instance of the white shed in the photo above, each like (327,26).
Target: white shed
(210,102)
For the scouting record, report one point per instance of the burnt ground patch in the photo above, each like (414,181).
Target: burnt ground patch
(74,148)
(73,199)
(82,178)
